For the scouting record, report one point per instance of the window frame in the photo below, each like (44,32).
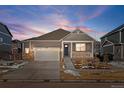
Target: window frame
(27,50)
(1,40)
(80,47)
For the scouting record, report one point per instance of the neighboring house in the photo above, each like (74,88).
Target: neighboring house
(16,50)
(5,42)
(55,45)
(113,43)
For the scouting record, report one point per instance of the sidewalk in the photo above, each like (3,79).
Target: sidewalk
(117,64)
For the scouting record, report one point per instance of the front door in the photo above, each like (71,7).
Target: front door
(117,54)
(65,49)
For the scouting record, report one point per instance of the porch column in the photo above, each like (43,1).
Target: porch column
(23,49)
(122,50)
(71,50)
(62,50)
(30,46)
(120,37)
(92,49)
(113,51)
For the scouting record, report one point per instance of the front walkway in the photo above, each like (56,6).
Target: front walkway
(69,67)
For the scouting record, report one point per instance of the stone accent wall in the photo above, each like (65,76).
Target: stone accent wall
(81,54)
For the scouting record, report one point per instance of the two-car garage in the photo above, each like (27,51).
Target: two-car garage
(46,54)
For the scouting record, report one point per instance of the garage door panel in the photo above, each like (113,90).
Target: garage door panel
(46,54)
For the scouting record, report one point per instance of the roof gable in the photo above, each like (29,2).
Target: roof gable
(77,31)
(78,35)
(54,35)
(107,42)
(114,31)
(4,29)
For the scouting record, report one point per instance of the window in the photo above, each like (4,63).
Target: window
(80,47)
(1,40)
(26,50)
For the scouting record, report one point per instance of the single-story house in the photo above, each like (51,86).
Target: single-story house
(55,45)
(5,42)
(113,43)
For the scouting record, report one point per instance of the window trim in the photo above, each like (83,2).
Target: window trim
(80,48)
(26,50)
(1,40)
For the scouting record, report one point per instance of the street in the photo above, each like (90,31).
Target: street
(59,85)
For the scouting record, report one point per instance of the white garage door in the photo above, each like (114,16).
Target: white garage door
(46,54)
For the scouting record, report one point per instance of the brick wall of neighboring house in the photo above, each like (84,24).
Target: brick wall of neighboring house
(16,50)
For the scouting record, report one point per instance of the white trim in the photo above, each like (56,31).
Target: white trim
(5,34)
(42,40)
(121,29)
(30,46)
(107,45)
(62,50)
(113,50)
(66,36)
(77,41)
(107,41)
(106,38)
(5,44)
(120,36)
(122,54)
(92,48)
(71,50)
(46,40)
(23,47)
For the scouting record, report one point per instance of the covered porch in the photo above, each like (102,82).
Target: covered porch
(78,49)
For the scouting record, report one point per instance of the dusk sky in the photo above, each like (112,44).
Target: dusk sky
(31,21)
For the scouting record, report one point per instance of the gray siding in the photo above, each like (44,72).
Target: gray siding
(42,44)
(115,38)
(6,44)
(5,47)
(123,51)
(45,44)
(122,37)
(6,39)
(78,37)
(108,49)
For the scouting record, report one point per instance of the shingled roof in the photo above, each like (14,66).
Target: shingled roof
(54,35)
(114,31)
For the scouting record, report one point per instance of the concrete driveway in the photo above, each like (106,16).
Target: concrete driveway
(35,71)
